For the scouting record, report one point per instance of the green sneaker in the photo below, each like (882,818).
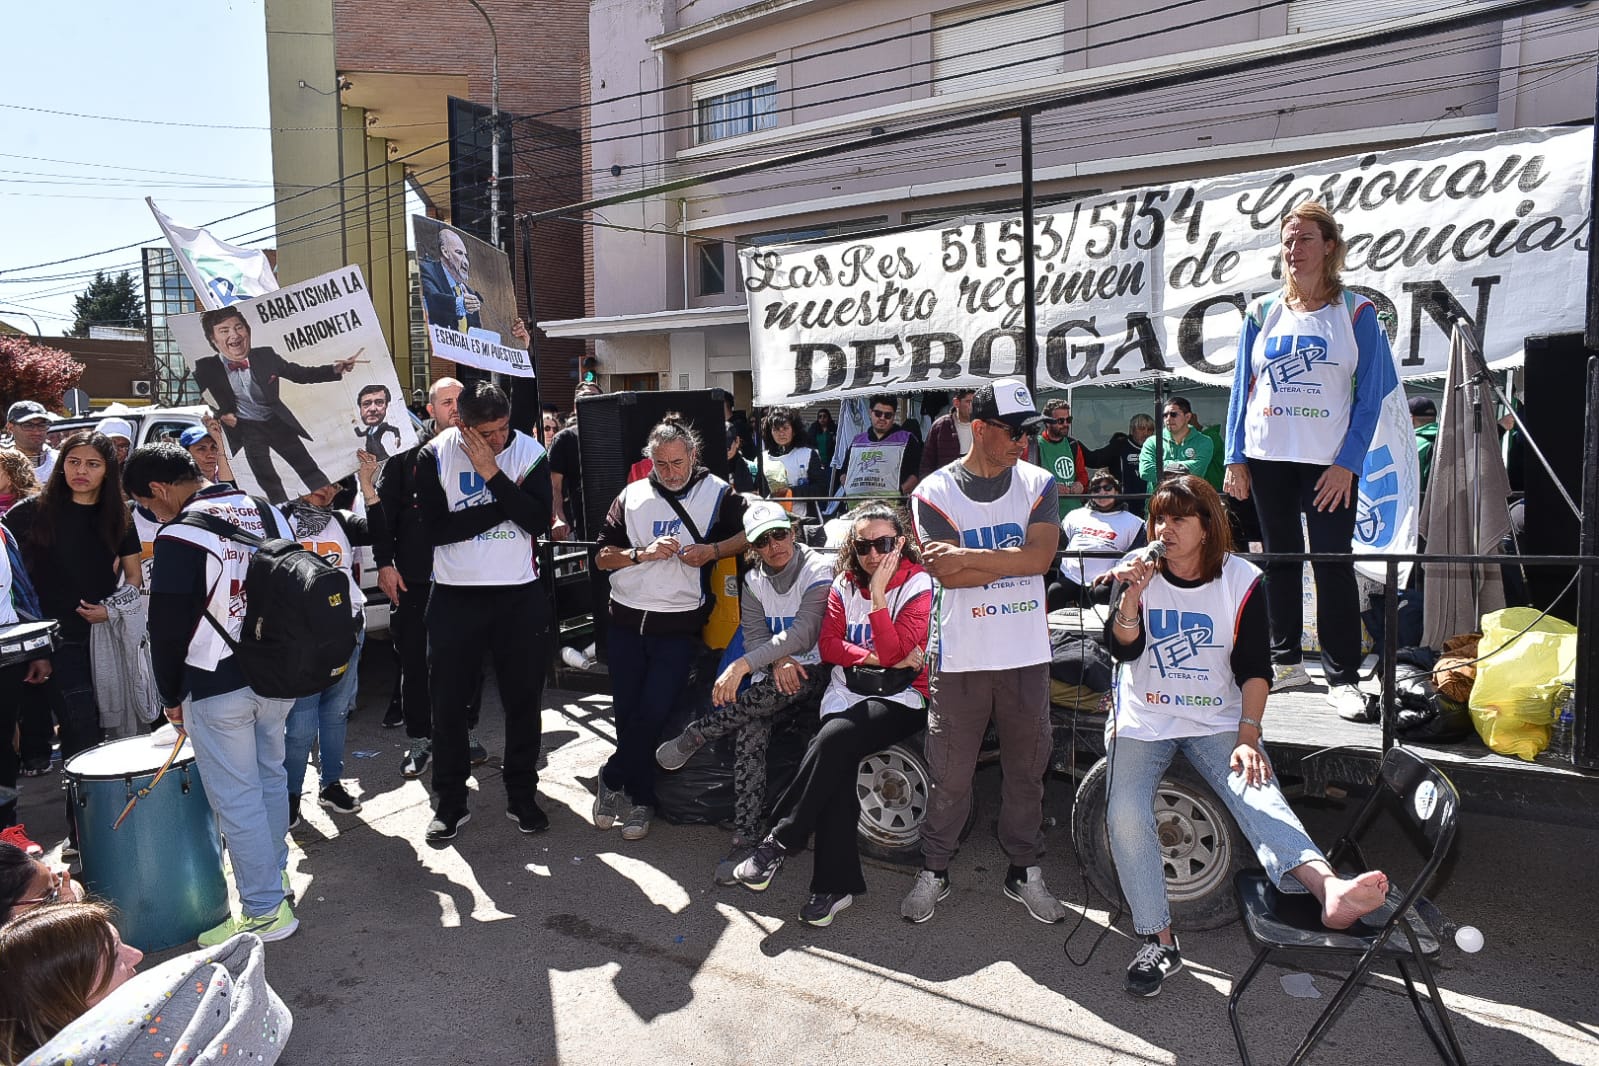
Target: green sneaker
(288,889)
(279,925)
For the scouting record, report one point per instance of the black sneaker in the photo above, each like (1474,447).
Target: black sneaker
(447,822)
(757,871)
(477,752)
(336,798)
(529,817)
(394,716)
(294,810)
(416,760)
(821,907)
(1153,964)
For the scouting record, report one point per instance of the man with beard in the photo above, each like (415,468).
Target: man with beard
(659,539)
(1062,455)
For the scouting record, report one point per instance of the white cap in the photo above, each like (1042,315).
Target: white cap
(116,427)
(762,516)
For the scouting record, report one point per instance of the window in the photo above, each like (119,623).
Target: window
(737,103)
(1308,16)
(994,44)
(712,259)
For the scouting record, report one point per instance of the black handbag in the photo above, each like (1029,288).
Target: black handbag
(879,680)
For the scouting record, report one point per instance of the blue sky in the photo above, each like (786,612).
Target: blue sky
(71,186)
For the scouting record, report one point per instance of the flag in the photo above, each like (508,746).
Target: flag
(221,273)
(1386,511)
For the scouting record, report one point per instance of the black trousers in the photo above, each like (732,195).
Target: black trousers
(1282,492)
(409,631)
(12,688)
(511,623)
(822,800)
(261,439)
(36,723)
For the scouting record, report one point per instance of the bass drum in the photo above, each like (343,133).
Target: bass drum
(163,868)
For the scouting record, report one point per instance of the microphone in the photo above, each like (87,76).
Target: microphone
(1151,553)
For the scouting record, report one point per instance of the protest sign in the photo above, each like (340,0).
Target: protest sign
(221,273)
(468,299)
(1155,280)
(300,379)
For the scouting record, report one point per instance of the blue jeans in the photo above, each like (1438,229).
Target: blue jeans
(1261,811)
(238,745)
(326,715)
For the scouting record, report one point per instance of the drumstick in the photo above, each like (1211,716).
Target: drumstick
(145,791)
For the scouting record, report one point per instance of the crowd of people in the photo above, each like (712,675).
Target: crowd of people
(891,620)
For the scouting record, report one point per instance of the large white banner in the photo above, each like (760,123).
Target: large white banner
(1155,280)
(221,273)
(301,379)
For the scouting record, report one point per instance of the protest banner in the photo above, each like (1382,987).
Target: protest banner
(1150,281)
(221,273)
(468,299)
(300,379)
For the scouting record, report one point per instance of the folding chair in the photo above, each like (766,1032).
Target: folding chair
(1283,923)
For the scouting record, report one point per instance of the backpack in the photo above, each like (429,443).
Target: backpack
(299,631)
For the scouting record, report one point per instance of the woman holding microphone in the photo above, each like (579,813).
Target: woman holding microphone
(1189,635)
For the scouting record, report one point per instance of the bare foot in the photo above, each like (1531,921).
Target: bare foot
(1349,901)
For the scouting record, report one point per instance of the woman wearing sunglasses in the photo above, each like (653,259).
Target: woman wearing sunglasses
(780,619)
(1184,449)
(26,882)
(1104,525)
(878,611)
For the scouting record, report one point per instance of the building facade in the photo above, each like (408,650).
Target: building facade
(685,90)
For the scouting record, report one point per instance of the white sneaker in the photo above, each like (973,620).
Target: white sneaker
(1288,675)
(1351,704)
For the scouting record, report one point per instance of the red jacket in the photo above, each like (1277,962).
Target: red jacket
(894,636)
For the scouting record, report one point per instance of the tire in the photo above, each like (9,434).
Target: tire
(893,787)
(1202,847)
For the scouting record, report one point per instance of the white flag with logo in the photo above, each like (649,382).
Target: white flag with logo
(221,273)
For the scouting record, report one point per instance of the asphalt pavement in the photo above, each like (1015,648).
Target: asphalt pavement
(575,946)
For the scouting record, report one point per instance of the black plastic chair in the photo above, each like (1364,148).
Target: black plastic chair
(1283,923)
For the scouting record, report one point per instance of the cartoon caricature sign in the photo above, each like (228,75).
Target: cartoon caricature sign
(300,379)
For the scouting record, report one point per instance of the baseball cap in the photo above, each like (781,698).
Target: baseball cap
(116,427)
(1006,400)
(762,516)
(26,411)
(1423,407)
(192,436)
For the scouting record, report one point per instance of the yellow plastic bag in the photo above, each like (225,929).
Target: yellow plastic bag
(1514,699)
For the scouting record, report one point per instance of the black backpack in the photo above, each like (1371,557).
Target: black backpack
(299,630)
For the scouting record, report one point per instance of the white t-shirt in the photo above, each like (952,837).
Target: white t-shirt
(1089,530)
(1183,683)
(503,555)
(838,697)
(1303,364)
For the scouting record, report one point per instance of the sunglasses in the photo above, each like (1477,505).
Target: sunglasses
(880,545)
(1060,421)
(771,537)
(1108,486)
(1174,414)
(52,896)
(1015,434)
(882,414)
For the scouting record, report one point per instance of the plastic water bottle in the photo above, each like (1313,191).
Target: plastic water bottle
(575,658)
(1562,739)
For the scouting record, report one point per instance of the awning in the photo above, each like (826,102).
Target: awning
(653,322)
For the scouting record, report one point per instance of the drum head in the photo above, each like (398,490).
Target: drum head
(135,756)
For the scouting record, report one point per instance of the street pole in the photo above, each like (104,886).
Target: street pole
(494,121)
(1029,350)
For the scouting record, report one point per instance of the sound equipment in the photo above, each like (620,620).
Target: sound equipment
(611,431)
(1555,416)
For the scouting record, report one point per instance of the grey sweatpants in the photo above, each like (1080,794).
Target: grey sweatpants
(962,704)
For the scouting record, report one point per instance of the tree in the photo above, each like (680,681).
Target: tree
(32,371)
(108,302)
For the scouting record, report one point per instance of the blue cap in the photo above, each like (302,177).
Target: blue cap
(192,436)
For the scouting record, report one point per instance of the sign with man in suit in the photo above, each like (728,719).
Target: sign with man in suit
(278,371)
(469,299)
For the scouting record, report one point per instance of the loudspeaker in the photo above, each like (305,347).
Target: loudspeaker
(1555,416)
(611,431)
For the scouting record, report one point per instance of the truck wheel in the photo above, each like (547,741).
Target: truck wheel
(893,786)
(1201,847)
